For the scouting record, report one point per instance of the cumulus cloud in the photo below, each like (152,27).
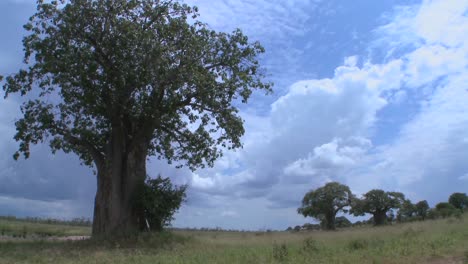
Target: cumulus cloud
(337,155)
(427,154)
(322,129)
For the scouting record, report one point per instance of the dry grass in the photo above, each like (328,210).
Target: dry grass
(441,241)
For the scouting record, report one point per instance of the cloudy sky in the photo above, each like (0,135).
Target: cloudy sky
(373,94)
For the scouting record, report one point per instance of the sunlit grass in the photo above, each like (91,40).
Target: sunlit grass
(440,241)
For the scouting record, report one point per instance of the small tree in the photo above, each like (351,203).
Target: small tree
(377,203)
(407,211)
(422,209)
(459,200)
(445,210)
(159,200)
(325,202)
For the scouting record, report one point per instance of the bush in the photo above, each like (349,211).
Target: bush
(280,252)
(446,210)
(157,202)
(357,244)
(310,245)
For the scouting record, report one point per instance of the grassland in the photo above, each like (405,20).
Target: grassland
(438,241)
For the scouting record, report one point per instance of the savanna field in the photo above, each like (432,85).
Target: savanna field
(431,241)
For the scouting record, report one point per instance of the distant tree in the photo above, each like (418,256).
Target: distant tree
(158,200)
(378,203)
(407,211)
(342,222)
(358,223)
(118,81)
(445,210)
(297,228)
(308,226)
(459,200)
(422,209)
(325,202)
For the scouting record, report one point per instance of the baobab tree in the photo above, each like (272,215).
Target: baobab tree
(131,79)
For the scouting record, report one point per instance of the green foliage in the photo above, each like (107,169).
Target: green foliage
(325,202)
(407,211)
(159,200)
(378,203)
(308,226)
(422,209)
(310,245)
(446,210)
(459,200)
(141,71)
(280,252)
(342,222)
(358,244)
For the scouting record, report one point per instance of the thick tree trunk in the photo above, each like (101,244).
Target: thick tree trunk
(330,218)
(380,218)
(118,181)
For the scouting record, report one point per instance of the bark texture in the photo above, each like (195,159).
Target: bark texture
(380,218)
(118,181)
(330,218)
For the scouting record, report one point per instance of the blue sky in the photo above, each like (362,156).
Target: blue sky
(372,94)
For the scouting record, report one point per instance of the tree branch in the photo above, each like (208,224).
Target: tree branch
(97,156)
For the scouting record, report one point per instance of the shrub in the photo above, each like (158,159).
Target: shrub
(446,209)
(358,244)
(280,252)
(158,200)
(310,245)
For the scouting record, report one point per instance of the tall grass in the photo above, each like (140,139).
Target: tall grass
(438,241)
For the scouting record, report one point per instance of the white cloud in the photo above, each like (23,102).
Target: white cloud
(202,183)
(429,149)
(337,155)
(306,137)
(316,131)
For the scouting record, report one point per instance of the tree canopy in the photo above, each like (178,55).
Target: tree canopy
(116,81)
(378,203)
(459,200)
(137,64)
(407,210)
(325,202)
(422,209)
